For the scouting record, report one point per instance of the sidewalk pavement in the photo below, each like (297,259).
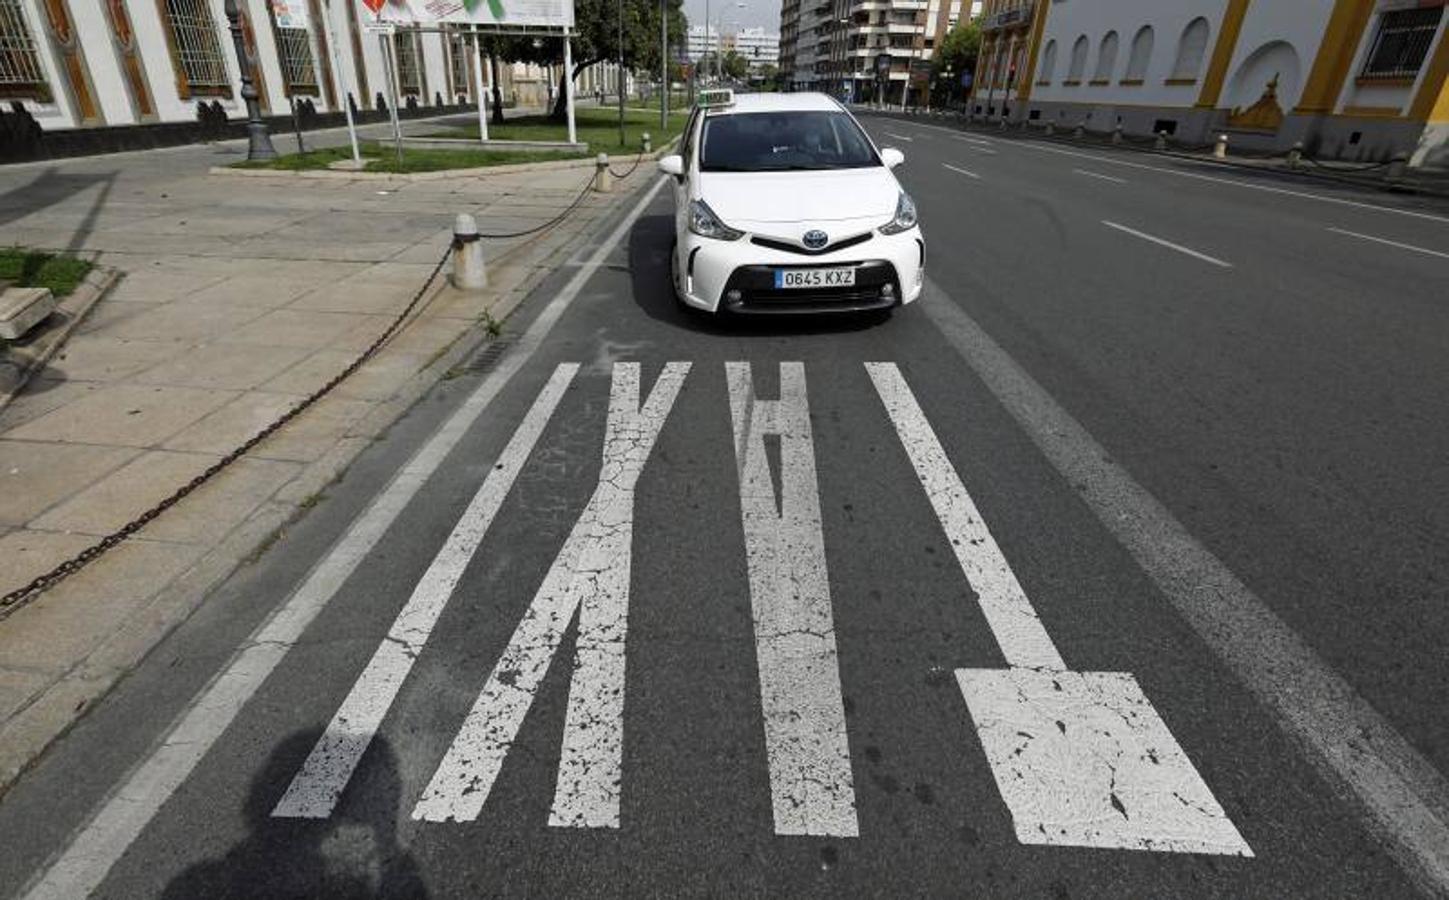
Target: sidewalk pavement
(239,297)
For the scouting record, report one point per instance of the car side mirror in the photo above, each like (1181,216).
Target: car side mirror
(890,156)
(672,165)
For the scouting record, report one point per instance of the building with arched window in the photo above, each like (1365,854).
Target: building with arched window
(1351,79)
(96,75)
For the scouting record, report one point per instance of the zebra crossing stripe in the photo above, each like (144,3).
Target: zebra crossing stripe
(590,576)
(315,790)
(1080,758)
(811,787)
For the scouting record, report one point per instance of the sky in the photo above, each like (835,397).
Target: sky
(764,13)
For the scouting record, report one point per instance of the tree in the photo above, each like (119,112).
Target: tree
(596,37)
(735,65)
(768,77)
(958,52)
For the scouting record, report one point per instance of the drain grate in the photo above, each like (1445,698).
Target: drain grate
(485,359)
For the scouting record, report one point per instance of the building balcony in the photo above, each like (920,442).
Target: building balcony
(1017,15)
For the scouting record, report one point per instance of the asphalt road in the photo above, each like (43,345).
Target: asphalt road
(1116,566)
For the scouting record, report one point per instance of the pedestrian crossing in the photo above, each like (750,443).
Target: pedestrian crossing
(1080,758)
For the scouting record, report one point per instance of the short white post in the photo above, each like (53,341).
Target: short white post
(478,87)
(648,144)
(603,181)
(1295,155)
(569,85)
(1117,134)
(469,273)
(1220,149)
(1161,142)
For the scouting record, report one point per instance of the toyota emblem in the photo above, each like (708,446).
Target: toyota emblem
(815,239)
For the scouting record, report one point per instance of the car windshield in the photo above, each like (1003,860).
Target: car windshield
(779,141)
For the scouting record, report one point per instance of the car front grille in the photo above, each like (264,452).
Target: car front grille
(787,247)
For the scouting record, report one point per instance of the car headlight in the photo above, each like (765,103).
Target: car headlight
(905,218)
(703,222)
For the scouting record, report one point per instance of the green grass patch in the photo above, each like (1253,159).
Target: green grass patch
(33,268)
(596,126)
(382,157)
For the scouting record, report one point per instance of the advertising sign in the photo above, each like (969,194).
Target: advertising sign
(535,13)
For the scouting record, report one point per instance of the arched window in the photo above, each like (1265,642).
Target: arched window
(1047,68)
(1106,58)
(1079,61)
(1141,55)
(1190,50)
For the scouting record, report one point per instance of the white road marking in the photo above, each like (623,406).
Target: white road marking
(970,140)
(1081,758)
(1110,178)
(590,576)
(811,786)
(961,171)
(1379,240)
(1168,244)
(1405,796)
(1021,635)
(83,864)
(1215,179)
(899,137)
(318,786)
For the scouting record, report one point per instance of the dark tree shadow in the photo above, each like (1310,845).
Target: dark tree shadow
(354,853)
(649,245)
(53,186)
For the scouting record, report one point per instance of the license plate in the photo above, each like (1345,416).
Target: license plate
(813,278)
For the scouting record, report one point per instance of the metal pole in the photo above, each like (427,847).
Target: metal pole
(663,68)
(569,85)
(705,57)
(259,141)
(478,85)
(342,77)
(387,69)
(621,73)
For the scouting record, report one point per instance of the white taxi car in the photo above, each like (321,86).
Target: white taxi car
(783,204)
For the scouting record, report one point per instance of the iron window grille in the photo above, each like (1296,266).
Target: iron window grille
(294,47)
(458,50)
(1402,43)
(196,46)
(21,74)
(409,79)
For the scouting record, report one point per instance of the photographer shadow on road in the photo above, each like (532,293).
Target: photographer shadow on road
(354,853)
(649,245)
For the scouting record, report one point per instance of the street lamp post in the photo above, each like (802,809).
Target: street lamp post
(259,141)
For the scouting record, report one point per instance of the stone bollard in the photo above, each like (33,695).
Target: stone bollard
(1117,134)
(1080,131)
(603,181)
(1002,124)
(1161,142)
(1220,149)
(1051,129)
(1398,167)
(1295,155)
(648,144)
(469,273)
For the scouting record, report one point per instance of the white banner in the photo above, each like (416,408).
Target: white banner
(289,13)
(536,13)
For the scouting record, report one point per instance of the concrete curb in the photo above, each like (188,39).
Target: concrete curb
(53,711)
(29,360)
(476,172)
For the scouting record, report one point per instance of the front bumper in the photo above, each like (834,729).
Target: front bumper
(710,271)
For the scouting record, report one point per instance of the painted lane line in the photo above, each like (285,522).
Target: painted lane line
(961,171)
(1168,244)
(1110,178)
(982,142)
(1081,758)
(1020,633)
(1379,240)
(1405,799)
(315,790)
(1215,179)
(83,864)
(589,578)
(811,787)
(899,137)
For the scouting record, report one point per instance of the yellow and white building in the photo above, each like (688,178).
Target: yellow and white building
(1351,79)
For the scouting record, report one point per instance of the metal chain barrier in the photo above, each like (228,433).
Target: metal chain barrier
(579,199)
(638,159)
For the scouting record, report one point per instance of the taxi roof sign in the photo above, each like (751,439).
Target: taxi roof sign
(715,97)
